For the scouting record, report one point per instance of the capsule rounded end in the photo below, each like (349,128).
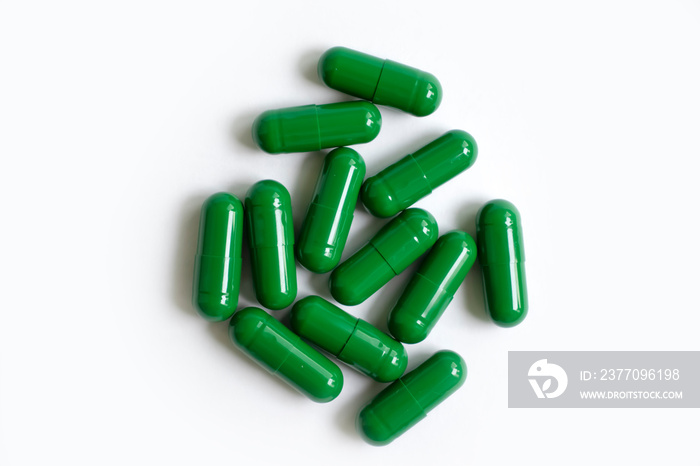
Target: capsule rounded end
(317,260)
(506,299)
(378,198)
(215,308)
(356,279)
(372,427)
(406,328)
(346,155)
(462,140)
(225,200)
(373,122)
(454,367)
(497,211)
(331,390)
(459,240)
(268,193)
(266,133)
(306,311)
(449,371)
(343,288)
(423,223)
(329,64)
(395,364)
(428,95)
(509,320)
(278,301)
(276,288)
(245,324)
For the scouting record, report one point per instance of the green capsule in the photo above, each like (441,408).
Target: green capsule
(431,289)
(271,241)
(327,222)
(286,355)
(383,82)
(217,266)
(352,340)
(408,400)
(315,127)
(499,238)
(415,176)
(393,248)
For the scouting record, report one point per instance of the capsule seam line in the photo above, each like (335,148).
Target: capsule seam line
(281,364)
(408,390)
(255,337)
(422,172)
(357,322)
(437,285)
(378,80)
(286,357)
(318,127)
(386,261)
(324,206)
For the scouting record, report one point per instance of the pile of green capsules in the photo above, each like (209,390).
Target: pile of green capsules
(406,237)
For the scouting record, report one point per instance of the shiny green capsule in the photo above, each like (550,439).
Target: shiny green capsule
(415,176)
(432,287)
(408,400)
(387,254)
(327,222)
(352,340)
(268,209)
(217,267)
(285,355)
(499,238)
(315,127)
(383,82)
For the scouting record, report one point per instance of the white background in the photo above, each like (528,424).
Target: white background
(116,122)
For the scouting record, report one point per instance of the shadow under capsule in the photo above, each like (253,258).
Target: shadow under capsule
(242,128)
(399,149)
(304,185)
(308,65)
(317,282)
(185,251)
(347,414)
(219,330)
